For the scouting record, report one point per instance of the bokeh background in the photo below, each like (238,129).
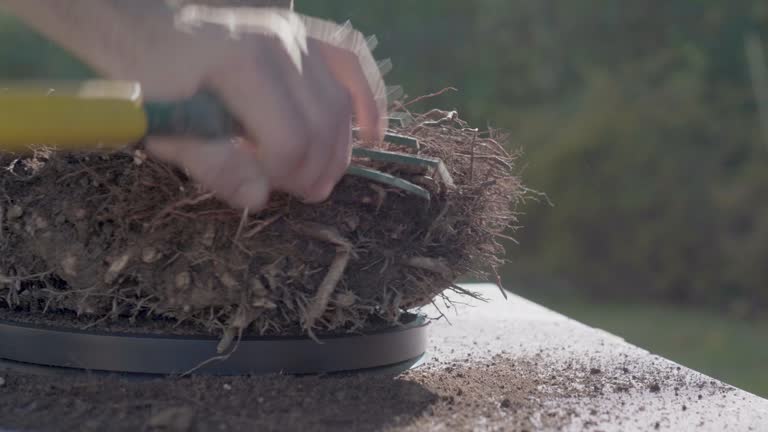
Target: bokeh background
(640,120)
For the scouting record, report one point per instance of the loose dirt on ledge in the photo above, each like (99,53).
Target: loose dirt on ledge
(505,393)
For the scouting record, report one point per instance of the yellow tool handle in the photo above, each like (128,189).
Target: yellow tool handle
(92,114)
(102,114)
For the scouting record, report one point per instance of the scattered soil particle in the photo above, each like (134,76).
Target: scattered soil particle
(654,388)
(176,419)
(595,371)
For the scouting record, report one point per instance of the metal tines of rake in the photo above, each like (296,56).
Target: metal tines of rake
(401,159)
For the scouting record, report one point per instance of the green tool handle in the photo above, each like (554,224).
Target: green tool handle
(201,115)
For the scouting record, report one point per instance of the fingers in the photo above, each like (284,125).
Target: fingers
(342,159)
(332,108)
(358,73)
(293,117)
(226,168)
(259,98)
(321,102)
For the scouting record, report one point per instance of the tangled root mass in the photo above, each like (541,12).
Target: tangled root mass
(117,237)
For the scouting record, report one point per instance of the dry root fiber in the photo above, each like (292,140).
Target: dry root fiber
(118,237)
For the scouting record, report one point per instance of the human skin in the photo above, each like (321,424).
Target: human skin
(295,95)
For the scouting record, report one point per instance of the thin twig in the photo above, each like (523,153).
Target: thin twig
(431,265)
(262,225)
(218,357)
(536,193)
(500,147)
(97,322)
(442,315)
(498,282)
(506,237)
(178,204)
(240,227)
(431,95)
(494,158)
(10,279)
(440,216)
(465,292)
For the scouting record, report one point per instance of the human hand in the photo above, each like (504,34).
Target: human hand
(293,83)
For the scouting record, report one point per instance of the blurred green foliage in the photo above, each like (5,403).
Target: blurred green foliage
(25,55)
(637,119)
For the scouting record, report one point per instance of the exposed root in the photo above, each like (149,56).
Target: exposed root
(499,283)
(432,265)
(431,95)
(441,314)
(262,225)
(243,220)
(238,323)
(2,223)
(117,266)
(220,357)
(11,279)
(180,204)
(323,233)
(322,297)
(472,158)
(467,293)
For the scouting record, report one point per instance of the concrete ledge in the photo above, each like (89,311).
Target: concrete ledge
(632,388)
(506,365)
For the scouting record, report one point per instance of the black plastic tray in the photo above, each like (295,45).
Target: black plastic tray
(176,355)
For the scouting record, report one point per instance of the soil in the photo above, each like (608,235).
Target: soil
(119,238)
(507,393)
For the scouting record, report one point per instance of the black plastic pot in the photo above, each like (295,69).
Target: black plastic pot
(398,347)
